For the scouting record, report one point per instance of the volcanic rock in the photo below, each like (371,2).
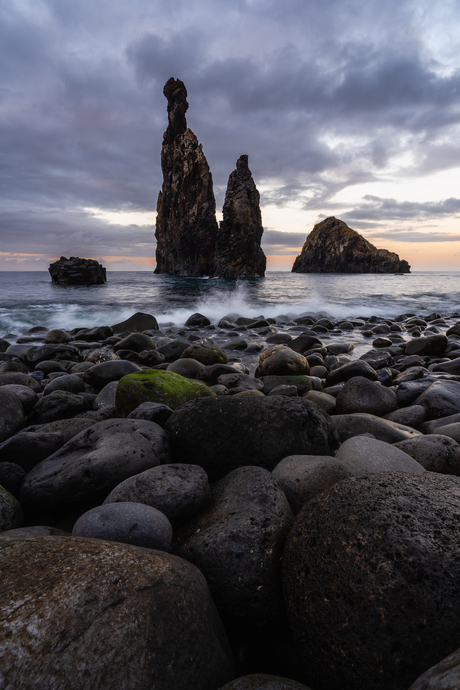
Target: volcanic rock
(238,250)
(76,271)
(333,247)
(186,226)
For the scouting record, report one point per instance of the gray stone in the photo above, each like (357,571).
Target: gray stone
(408,391)
(20,379)
(57,405)
(198,320)
(237,382)
(225,432)
(35,443)
(187,367)
(106,395)
(284,389)
(433,425)
(129,523)
(57,335)
(107,616)
(347,371)
(173,349)
(442,676)
(363,455)
(177,490)
(26,395)
(34,531)
(359,394)
(281,362)
(302,477)
(450,430)
(135,342)
(440,399)
(436,452)
(11,515)
(11,413)
(263,681)
(67,382)
(153,412)
(101,374)
(325,401)
(11,476)
(349,425)
(93,462)
(137,323)
(302,383)
(371,580)
(237,542)
(432,345)
(412,416)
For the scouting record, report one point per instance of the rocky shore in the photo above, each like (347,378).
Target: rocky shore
(248,504)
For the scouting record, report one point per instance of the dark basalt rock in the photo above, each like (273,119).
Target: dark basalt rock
(333,247)
(76,271)
(186,226)
(372,580)
(238,250)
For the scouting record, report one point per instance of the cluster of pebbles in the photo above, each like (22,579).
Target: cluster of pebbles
(257,503)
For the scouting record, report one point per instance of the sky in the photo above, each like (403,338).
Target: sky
(344,107)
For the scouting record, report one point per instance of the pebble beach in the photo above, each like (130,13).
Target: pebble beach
(219,503)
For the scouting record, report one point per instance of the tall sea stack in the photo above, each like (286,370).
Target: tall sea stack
(238,250)
(186,226)
(333,247)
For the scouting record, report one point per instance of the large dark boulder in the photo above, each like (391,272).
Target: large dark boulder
(372,580)
(237,543)
(86,613)
(76,271)
(333,247)
(225,432)
(186,225)
(238,250)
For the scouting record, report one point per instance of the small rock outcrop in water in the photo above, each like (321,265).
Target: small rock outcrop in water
(76,271)
(238,250)
(186,226)
(333,247)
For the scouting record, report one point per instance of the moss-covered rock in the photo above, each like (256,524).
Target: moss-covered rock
(156,385)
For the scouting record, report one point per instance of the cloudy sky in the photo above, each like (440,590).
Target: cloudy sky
(345,108)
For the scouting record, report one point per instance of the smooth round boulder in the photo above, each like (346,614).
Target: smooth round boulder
(178,490)
(20,379)
(187,367)
(413,415)
(127,522)
(156,385)
(359,394)
(237,542)
(431,345)
(89,613)
(136,342)
(198,319)
(226,432)
(26,395)
(205,354)
(153,412)
(11,476)
(349,425)
(302,477)
(371,579)
(435,452)
(347,371)
(263,681)
(364,455)
(106,395)
(138,322)
(57,405)
(11,413)
(67,382)
(57,335)
(282,362)
(11,515)
(440,399)
(101,374)
(93,462)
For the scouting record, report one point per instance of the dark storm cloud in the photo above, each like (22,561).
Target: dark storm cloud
(320,95)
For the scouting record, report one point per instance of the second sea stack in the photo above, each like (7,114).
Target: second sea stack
(333,247)
(238,250)
(186,225)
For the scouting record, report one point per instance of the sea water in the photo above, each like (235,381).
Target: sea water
(29,298)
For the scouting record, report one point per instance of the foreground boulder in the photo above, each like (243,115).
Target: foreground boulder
(119,617)
(226,432)
(237,543)
(442,676)
(333,247)
(93,462)
(372,580)
(238,250)
(76,271)
(186,226)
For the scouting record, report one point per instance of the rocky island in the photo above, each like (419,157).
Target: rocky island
(333,247)
(76,271)
(238,250)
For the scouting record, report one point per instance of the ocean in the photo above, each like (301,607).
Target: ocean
(29,298)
